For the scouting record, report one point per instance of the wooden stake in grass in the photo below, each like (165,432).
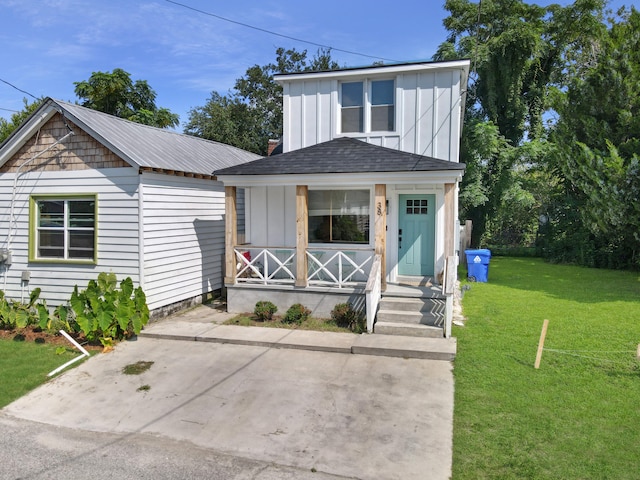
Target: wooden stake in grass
(543,334)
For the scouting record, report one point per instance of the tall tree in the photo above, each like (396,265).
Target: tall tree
(597,140)
(116,94)
(251,114)
(518,52)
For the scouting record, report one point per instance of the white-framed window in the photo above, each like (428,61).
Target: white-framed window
(367,105)
(63,228)
(339,216)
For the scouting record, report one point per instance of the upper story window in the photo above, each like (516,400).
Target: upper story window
(370,103)
(63,229)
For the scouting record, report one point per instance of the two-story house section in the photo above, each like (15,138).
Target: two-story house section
(415,108)
(366,186)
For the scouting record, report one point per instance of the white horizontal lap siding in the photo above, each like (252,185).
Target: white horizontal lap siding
(183,224)
(116,191)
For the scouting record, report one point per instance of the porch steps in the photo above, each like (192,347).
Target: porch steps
(411,311)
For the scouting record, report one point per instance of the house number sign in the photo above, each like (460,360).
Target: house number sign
(379,209)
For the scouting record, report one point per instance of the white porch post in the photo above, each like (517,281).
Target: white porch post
(381,229)
(302,234)
(231,235)
(451,223)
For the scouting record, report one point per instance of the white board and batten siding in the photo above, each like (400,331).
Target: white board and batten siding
(116,192)
(428,121)
(183,223)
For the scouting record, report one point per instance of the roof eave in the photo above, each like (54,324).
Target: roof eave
(344,179)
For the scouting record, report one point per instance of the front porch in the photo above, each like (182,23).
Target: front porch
(321,228)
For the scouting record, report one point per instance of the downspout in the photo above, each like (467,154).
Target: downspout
(140,232)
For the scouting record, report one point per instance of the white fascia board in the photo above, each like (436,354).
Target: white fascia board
(25,132)
(343,179)
(463,65)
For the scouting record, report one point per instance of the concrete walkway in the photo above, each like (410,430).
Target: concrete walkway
(266,395)
(204,324)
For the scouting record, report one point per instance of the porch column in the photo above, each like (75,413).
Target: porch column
(450,221)
(380,242)
(302,234)
(230,235)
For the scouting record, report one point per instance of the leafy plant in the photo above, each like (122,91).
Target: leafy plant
(106,313)
(265,310)
(15,314)
(346,316)
(297,313)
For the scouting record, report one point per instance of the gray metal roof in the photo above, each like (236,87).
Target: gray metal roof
(341,155)
(152,147)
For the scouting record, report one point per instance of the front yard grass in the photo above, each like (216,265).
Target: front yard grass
(25,365)
(577,416)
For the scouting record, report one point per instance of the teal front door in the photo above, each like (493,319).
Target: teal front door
(416,234)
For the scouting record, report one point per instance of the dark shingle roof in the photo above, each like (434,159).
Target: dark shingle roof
(341,155)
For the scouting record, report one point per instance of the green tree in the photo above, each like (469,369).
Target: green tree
(7,127)
(518,51)
(251,114)
(116,94)
(597,138)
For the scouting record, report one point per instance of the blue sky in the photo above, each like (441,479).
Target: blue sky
(185,55)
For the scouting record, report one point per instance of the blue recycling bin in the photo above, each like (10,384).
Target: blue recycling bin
(478,264)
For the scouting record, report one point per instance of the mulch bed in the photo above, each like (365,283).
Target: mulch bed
(36,335)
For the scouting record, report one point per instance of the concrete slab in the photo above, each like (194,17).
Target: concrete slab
(319,341)
(406,347)
(357,416)
(177,329)
(255,336)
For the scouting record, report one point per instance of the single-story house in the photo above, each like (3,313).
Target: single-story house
(83,192)
(363,202)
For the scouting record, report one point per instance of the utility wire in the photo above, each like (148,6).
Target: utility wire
(19,89)
(9,110)
(279,34)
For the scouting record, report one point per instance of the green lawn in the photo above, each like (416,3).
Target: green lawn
(25,365)
(578,416)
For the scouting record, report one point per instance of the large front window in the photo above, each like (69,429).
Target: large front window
(339,216)
(375,110)
(64,228)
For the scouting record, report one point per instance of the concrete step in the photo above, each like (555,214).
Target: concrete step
(433,305)
(409,318)
(407,330)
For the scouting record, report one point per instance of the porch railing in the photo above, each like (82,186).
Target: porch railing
(373,291)
(338,268)
(265,265)
(328,267)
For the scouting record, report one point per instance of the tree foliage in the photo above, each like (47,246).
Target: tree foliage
(7,127)
(116,94)
(597,151)
(251,114)
(519,53)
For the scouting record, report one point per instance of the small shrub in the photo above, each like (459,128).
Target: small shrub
(297,313)
(346,316)
(265,310)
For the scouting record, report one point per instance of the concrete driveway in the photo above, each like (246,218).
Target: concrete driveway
(356,416)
